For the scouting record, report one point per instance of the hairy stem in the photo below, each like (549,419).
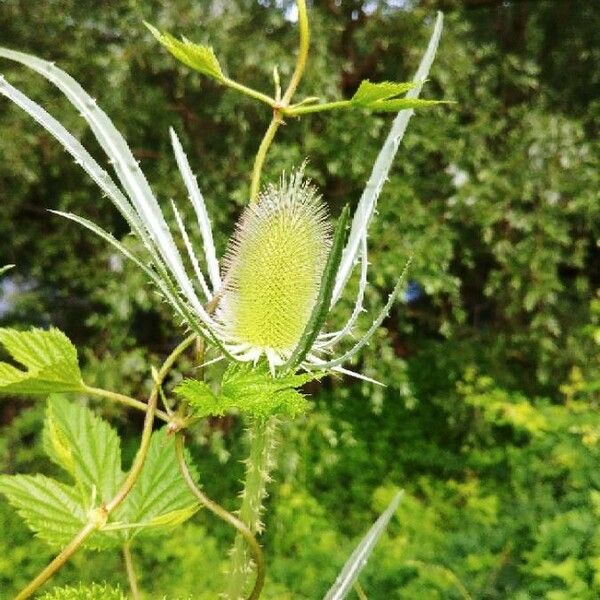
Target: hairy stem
(99,517)
(226,516)
(276,121)
(131,576)
(258,468)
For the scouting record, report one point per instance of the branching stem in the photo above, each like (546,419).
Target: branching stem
(226,516)
(100,515)
(279,109)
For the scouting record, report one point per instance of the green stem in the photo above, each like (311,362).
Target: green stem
(278,108)
(122,399)
(58,562)
(258,468)
(240,87)
(131,576)
(101,514)
(226,516)
(259,161)
(294,111)
(302,52)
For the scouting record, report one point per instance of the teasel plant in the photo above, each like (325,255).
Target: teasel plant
(262,308)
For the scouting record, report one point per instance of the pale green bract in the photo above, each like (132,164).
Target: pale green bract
(272,272)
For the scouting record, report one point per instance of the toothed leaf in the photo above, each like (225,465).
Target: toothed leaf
(368,92)
(52,510)
(196,56)
(252,390)
(49,358)
(160,498)
(85,446)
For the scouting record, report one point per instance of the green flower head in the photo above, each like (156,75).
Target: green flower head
(273,269)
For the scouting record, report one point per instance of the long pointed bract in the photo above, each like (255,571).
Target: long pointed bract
(125,165)
(381,168)
(358,559)
(374,326)
(197,200)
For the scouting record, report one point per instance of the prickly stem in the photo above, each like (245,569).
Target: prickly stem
(259,465)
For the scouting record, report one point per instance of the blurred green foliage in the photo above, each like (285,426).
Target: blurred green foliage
(490,415)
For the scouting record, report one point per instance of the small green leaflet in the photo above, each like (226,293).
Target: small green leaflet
(383,96)
(196,56)
(250,389)
(94,591)
(89,450)
(5,268)
(50,360)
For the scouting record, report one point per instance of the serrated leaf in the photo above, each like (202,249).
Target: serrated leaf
(51,509)
(84,445)
(50,360)
(5,268)
(358,559)
(383,97)
(368,92)
(196,56)
(160,497)
(94,591)
(202,399)
(250,389)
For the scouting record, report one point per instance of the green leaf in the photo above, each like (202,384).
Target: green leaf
(49,357)
(160,497)
(250,389)
(383,97)
(95,591)
(85,446)
(196,56)
(368,92)
(52,510)
(5,268)
(322,304)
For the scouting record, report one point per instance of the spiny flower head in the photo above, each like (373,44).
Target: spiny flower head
(273,267)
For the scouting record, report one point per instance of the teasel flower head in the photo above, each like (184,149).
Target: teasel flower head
(273,269)
(285,268)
